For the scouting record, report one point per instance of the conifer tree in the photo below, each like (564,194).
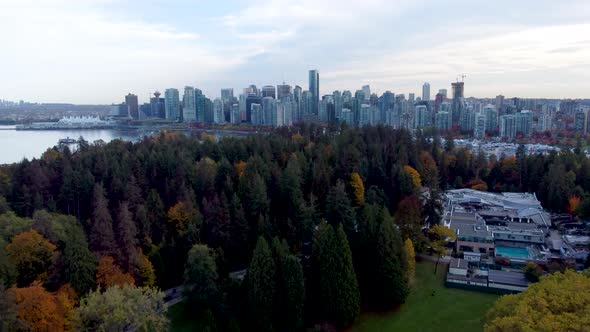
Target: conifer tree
(261,287)
(102,237)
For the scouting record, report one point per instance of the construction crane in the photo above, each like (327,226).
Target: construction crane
(462,77)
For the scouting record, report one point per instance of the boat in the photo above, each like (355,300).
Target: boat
(67,140)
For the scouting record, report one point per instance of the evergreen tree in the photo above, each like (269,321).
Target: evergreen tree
(156,217)
(338,298)
(339,208)
(102,237)
(200,276)
(294,285)
(79,262)
(261,287)
(127,238)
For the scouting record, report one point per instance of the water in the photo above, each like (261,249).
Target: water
(16,145)
(510,252)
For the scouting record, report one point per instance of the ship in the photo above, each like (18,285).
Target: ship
(70,122)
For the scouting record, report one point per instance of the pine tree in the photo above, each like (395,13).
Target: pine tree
(102,237)
(200,275)
(339,208)
(261,287)
(338,298)
(294,286)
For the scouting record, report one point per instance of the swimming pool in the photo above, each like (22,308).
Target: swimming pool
(511,252)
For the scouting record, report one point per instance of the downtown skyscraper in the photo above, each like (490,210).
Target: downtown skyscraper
(314,88)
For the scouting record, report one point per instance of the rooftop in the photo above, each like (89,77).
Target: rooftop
(508,278)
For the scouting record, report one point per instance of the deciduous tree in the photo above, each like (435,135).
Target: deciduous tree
(32,255)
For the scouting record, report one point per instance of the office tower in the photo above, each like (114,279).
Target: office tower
(346,116)
(467,118)
(256,114)
(442,120)
(443,92)
(411,99)
(524,123)
(338,103)
(545,121)
(386,104)
(458,105)
(438,100)
(145,110)
(189,106)
(284,115)
(268,110)
(426,91)
(499,102)
(346,96)
(157,106)
(283,91)
(367,91)
(422,119)
(491,115)
(235,117)
(580,121)
(268,91)
(297,113)
(201,104)
(172,104)
(251,90)
(132,105)
(250,100)
(314,88)
(218,116)
(479,129)
(227,94)
(306,103)
(508,126)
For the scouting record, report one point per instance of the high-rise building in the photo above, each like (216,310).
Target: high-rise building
(132,105)
(172,104)
(269,91)
(314,88)
(283,91)
(479,129)
(442,120)
(250,100)
(227,94)
(411,99)
(256,114)
(218,116)
(242,105)
(443,92)
(491,115)
(426,91)
(422,119)
(297,113)
(499,102)
(306,103)
(202,105)
(458,105)
(508,126)
(347,117)
(366,91)
(235,117)
(338,103)
(157,106)
(189,106)
(524,122)
(269,109)
(545,121)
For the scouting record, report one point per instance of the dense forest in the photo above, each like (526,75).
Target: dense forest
(325,220)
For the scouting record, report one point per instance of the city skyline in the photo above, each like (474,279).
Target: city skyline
(121,47)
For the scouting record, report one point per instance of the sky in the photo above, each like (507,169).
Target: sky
(96,51)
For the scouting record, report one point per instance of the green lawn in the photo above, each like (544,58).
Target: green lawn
(448,309)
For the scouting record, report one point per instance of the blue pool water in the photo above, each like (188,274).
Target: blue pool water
(518,253)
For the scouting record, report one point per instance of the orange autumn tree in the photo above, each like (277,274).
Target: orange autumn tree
(109,274)
(573,203)
(41,310)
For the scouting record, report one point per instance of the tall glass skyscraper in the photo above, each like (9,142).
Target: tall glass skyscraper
(172,104)
(314,88)
(189,108)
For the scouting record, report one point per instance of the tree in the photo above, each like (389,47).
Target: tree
(145,274)
(339,208)
(358,189)
(41,310)
(79,262)
(573,204)
(415,176)
(338,293)
(558,302)
(109,274)
(8,320)
(102,237)
(127,238)
(261,287)
(410,255)
(32,255)
(439,236)
(293,284)
(532,271)
(155,227)
(200,276)
(409,219)
(122,309)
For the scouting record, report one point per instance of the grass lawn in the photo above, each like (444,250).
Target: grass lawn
(449,309)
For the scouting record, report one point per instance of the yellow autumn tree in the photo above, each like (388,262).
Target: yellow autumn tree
(411,259)
(41,310)
(416,180)
(239,168)
(358,189)
(573,203)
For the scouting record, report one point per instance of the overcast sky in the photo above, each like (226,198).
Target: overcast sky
(96,51)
